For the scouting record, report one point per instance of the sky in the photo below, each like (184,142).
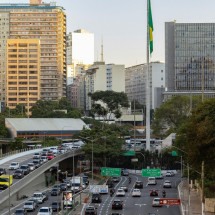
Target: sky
(121,24)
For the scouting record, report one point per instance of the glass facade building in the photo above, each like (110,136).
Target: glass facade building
(190,57)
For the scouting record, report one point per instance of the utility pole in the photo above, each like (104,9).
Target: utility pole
(202,174)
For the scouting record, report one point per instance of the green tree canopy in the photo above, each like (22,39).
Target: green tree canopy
(108,102)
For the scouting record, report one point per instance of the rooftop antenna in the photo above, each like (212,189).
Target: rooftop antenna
(102,54)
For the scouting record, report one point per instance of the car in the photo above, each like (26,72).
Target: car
(31,166)
(18,174)
(168,174)
(63,186)
(45,193)
(125,188)
(29,206)
(2,171)
(125,172)
(35,201)
(138,184)
(67,182)
(156,202)
(115,214)
(39,197)
(14,165)
(96,198)
(167,184)
(44,159)
(91,210)
(45,211)
(153,193)
(20,211)
(120,192)
(25,169)
(55,192)
(159,177)
(136,192)
(37,155)
(110,183)
(36,163)
(152,181)
(56,206)
(50,156)
(115,179)
(117,204)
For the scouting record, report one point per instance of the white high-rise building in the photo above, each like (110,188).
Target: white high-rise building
(80,51)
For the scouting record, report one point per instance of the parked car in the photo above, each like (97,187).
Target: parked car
(20,211)
(18,174)
(14,165)
(45,211)
(2,171)
(91,210)
(25,169)
(117,204)
(96,198)
(31,166)
(29,206)
(136,193)
(56,206)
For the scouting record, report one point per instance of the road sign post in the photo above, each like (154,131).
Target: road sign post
(129,153)
(106,171)
(151,172)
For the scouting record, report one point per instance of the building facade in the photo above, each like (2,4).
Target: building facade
(46,23)
(23,73)
(135,83)
(190,58)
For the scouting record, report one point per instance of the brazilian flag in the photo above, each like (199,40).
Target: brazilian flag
(150,25)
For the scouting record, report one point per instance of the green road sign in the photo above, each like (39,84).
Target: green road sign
(106,171)
(174,153)
(151,172)
(129,153)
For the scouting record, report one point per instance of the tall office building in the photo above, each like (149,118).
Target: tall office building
(80,52)
(190,58)
(43,22)
(135,83)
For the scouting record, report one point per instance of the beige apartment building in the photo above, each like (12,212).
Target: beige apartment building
(23,72)
(47,24)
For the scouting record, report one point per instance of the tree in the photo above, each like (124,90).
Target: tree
(108,102)
(172,114)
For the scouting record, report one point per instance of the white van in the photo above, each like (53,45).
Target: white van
(152,181)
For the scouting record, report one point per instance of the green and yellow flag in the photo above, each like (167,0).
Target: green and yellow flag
(150,25)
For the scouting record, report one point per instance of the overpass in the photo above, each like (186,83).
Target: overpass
(33,179)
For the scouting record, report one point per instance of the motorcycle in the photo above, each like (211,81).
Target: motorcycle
(164,194)
(129,180)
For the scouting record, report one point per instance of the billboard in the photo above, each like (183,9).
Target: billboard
(67,199)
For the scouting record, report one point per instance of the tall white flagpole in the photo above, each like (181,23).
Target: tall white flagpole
(147,87)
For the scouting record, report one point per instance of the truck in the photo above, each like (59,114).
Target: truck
(5,181)
(77,184)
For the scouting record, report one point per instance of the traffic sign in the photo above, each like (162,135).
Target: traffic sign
(134,160)
(151,172)
(129,153)
(174,153)
(106,171)
(168,201)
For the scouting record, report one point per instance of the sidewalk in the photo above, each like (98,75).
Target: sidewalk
(195,200)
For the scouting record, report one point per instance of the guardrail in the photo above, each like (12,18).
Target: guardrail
(4,195)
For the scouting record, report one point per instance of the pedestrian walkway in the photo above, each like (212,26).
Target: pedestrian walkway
(191,203)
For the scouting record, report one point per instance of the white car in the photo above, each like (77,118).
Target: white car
(167,184)
(31,166)
(14,165)
(156,202)
(136,192)
(37,155)
(45,211)
(39,197)
(29,206)
(44,159)
(152,181)
(120,192)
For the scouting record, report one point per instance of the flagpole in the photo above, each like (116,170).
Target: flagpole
(147,87)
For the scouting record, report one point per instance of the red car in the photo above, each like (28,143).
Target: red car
(50,156)
(154,193)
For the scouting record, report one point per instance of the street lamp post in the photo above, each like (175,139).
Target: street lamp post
(143,157)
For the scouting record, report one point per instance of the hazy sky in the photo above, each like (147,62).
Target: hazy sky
(122,24)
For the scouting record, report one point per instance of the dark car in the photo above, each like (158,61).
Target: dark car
(18,174)
(154,193)
(55,192)
(115,179)
(96,198)
(37,163)
(90,210)
(110,183)
(56,206)
(46,195)
(63,186)
(125,172)
(20,211)
(25,169)
(138,184)
(117,204)
(2,171)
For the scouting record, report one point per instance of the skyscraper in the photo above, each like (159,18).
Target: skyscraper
(43,22)
(190,58)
